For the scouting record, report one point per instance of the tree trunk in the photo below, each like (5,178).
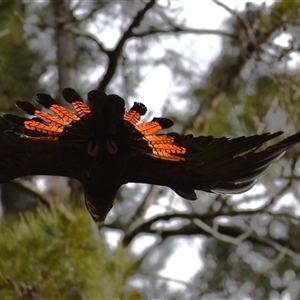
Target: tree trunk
(65,49)
(65,44)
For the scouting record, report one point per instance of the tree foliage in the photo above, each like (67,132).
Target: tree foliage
(19,67)
(57,254)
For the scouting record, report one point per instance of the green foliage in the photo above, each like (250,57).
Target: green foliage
(55,255)
(287,9)
(250,86)
(19,71)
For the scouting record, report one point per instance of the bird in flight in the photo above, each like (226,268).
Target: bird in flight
(105,146)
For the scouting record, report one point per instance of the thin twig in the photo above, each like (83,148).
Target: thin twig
(244,22)
(87,35)
(183,30)
(187,284)
(276,261)
(140,212)
(222,237)
(277,246)
(114,55)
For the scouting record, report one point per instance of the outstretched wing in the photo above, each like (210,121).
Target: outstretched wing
(218,165)
(66,142)
(104,147)
(61,124)
(20,157)
(48,143)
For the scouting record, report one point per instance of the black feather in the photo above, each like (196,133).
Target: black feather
(188,194)
(97,101)
(39,120)
(116,106)
(70,95)
(26,106)
(13,133)
(46,100)
(17,120)
(163,122)
(139,108)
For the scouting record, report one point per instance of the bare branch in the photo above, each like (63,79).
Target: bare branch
(141,210)
(183,30)
(45,199)
(158,276)
(87,35)
(276,261)
(233,235)
(228,9)
(233,12)
(267,241)
(93,11)
(146,226)
(114,55)
(280,193)
(244,22)
(222,237)
(244,236)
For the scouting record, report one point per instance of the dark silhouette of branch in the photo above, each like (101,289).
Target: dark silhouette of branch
(244,22)
(233,235)
(92,12)
(177,29)
(87,35)
(20,195)
(114,55)
(233,12)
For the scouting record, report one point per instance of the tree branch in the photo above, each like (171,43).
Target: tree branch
(114,55)
(243,21)
(140,211)
(222,237)
(183,30)
(87,35)
(199,226)
(280,248)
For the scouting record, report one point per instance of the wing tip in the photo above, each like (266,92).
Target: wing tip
(188,194)
(26,107)
(163,122)
(45,99)
(70,95)
(139,108)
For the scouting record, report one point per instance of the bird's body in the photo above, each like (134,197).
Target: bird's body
(103,146)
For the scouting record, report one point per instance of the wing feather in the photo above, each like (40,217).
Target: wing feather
(20,157)
(103,146)
(220,165)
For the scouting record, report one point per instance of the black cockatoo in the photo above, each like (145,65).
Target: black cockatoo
(104,146)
